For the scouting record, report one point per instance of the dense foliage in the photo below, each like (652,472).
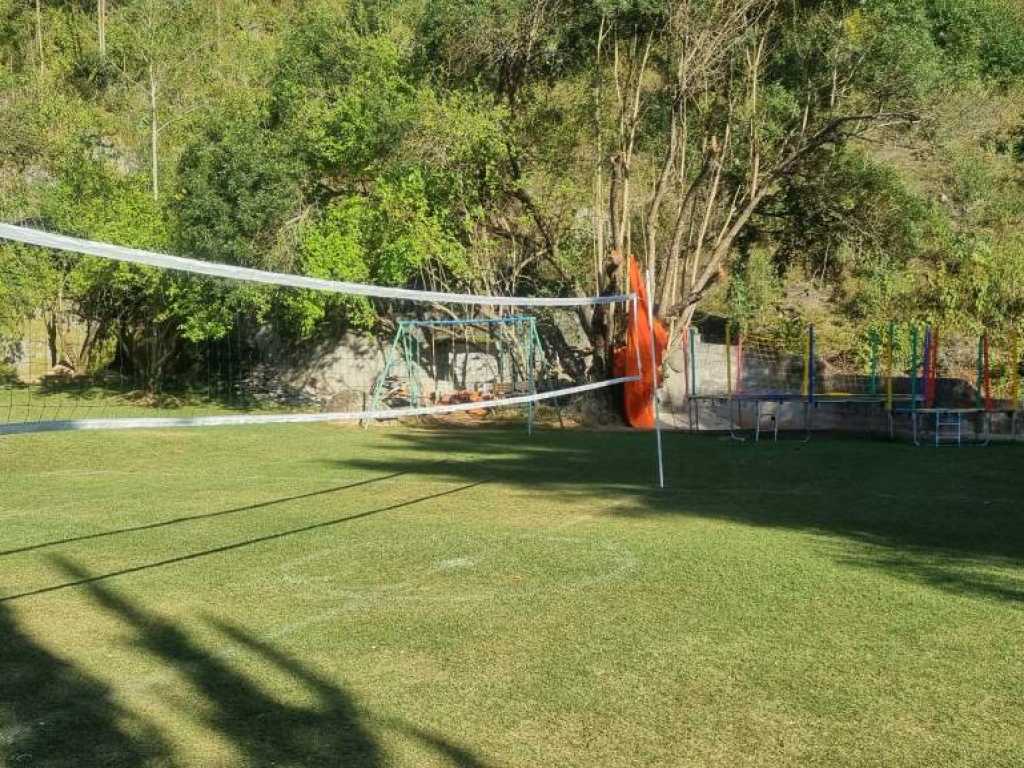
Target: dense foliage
(851,162)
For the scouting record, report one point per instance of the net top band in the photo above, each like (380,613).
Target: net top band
(213,269)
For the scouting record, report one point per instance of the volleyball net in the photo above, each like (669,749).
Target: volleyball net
(163,341)
(964,370)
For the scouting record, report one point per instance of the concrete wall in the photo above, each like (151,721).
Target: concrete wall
(341,374)
(30,356)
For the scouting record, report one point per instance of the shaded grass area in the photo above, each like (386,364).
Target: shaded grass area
(319,596)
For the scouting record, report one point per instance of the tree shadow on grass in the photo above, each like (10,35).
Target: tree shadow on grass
(327,692)
(972,578)
(937,517)
(55,714)
(201,516)
(270,537)
(265,731)
(330,731)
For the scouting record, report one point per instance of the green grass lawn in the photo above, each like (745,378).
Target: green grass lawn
(324,596)
(78,399)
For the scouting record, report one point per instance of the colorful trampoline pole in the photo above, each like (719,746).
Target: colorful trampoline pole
(913,368)
(986,370)
(805,385)
(890,362)
(811,382)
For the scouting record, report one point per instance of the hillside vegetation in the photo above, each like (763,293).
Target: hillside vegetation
(850,163)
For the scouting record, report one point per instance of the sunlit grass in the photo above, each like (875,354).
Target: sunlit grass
(320,596)
(75,399)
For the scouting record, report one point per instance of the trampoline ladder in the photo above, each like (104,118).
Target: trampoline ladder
(948,429)
(772,416)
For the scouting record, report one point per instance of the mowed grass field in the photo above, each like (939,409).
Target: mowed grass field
(324,596)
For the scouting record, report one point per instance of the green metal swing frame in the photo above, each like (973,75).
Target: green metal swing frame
(405,347)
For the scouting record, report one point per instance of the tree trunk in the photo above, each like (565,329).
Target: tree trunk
(101,26)
(218,11)
(39,35)
(51,339)
(154,130)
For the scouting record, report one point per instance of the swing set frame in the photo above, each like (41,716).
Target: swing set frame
(406,350)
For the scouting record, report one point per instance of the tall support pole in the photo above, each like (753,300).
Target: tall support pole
(984,383)
(811,372)
(1014,383)
(914,362)
(875,344)
(979,375)
(728,378)
(693,404)
(926,370)
(805,385)
(654,376)
(739,362)
(686,360)
(890,364)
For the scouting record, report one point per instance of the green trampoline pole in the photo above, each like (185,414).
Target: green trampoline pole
(873,385)
(890,364)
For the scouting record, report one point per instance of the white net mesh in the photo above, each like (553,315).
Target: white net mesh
(219,350)
(1006,350)
(771,365)
(729,363)
(848,366)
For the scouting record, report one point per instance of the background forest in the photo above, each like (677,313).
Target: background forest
(843,162)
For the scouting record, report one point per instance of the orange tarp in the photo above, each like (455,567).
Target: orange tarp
(637,394)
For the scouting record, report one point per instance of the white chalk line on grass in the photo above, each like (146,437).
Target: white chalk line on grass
(408,590)
(358,600)
(412,589)
(227,651)
(402,591)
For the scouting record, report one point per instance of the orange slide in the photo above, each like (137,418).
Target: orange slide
(639,408)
